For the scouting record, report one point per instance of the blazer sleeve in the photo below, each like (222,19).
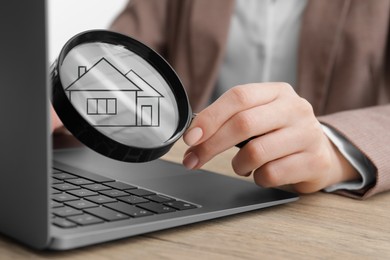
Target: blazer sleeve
(146,21)
(368,129)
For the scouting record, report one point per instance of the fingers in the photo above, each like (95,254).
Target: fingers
(286,170)
(289,145)
(252,122)
(269,147)
(237,99)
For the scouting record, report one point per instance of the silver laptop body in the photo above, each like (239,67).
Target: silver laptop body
(27,157)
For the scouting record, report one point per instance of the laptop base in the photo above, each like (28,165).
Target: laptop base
(214,195)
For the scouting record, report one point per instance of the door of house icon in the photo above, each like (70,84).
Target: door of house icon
(146,115)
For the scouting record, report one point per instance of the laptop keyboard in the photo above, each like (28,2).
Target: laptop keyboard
(85,199)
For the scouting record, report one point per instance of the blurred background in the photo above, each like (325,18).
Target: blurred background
(69,17)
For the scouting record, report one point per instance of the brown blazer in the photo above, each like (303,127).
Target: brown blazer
(343,68)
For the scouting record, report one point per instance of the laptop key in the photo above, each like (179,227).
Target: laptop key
(82,193)
(79,181)
(96,187)
(55,204)
(180,205)
(56,181)
(107,214)
(63,176)
(159,198)
(61,222)
(156,207)
(140,192)
(81,204)
(100,199)
(65,186)
(114,193)
(54,191)
(85,219)
(63,197)
(128,209)
(92,176)
(133,199)
(120,185)
(66,211)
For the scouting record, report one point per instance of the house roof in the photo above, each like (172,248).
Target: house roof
(146,89)
(103,76)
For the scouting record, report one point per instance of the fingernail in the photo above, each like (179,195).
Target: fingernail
(193,136)
(246,174)
(190,161)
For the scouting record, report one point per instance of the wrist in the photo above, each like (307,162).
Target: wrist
(343,170)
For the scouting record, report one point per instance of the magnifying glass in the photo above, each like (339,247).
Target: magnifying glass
(119,97)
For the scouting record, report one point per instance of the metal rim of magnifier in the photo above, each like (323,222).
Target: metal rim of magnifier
(91,137)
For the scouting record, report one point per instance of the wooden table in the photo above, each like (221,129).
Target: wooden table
(320,225)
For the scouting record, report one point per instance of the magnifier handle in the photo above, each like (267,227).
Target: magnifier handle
(240,145)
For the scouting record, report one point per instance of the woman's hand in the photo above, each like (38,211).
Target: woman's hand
(289,145)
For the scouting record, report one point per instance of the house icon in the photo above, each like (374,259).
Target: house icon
(110,98)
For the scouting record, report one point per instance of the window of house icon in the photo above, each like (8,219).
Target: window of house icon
(102,106)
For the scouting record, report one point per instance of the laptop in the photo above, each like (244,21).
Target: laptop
(70,197)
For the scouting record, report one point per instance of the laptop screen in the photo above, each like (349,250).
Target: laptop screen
(25,152)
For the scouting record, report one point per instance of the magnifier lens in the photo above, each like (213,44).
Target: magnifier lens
(119,94)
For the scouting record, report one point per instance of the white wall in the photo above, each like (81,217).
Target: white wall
(69,17)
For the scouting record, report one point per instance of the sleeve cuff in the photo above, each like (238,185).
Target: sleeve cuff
(360,162)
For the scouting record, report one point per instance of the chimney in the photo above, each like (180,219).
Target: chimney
(82,70)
